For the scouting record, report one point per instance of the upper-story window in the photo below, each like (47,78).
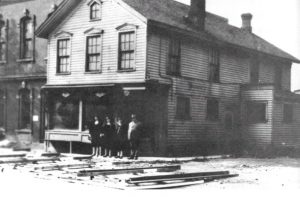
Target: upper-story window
(174,57)
(95,11)
(278,78)
(126,50)
(214,65)
(63,55)
(3,39)
(254,71)
(93,53)
(27,36)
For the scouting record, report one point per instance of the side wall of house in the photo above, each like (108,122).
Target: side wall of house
(193,83)
(78,22)
(286,134)
(258,133)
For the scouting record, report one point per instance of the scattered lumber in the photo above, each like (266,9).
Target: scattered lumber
(22,149)
(58,167)
(50,154)
(12,155)
(168,185)
(102,172)
(25,160)
(82,157)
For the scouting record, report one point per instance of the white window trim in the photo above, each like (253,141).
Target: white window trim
(90,3)
(127,27)
(62,35)
(89,33)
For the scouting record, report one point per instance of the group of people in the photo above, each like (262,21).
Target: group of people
(115,137)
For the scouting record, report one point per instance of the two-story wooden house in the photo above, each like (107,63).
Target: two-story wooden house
(195,81)
(22,67)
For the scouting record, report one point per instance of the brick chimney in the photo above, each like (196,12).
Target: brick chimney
(197,13)
(246,19)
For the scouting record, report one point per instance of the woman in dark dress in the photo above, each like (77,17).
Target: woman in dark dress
(108,130)
(120,137)
(95,132)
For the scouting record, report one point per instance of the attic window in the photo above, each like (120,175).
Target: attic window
(95,11)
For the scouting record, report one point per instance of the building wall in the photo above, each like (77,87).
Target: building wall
(259,133)
(113,16)
(193,84)
(13,72)
(286,134)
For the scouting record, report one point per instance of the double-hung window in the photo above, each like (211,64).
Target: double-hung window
(174,57)
(183,108)
(3,40)
(27,25)
(63,55)
(93,55)
(212,109)
(126,50)
(214,65)
(287,113)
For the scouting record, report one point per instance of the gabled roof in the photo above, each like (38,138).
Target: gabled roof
(7,2)
(172,13)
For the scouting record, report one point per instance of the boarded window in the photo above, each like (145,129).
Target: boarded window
(93,56)
(183,108)
(126,50)
(26,37)
(174,57)
(2,105)
(95,11)
(212,108)
(256,112)
(25,105)
(63,56)
(254,72)
(214,65)
(287,113)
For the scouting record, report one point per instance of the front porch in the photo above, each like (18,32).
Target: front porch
(68,109)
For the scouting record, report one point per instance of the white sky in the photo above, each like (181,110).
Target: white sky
(277,21)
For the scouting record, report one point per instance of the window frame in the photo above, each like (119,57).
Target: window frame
(254,71)
(21,114)
(87,70)
(214,65)
(278,75)
(285,117)
(185,114)
(3,103)
(175,44)
(3,40)
(265,103)
(132,51)
(58,68)
(92,4)
(24,39)
(209,116)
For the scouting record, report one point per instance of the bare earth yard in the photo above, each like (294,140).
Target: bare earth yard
(268,176)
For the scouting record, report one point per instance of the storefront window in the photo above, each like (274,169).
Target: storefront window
(64,113)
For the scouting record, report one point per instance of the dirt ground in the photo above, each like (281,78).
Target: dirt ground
(269,176)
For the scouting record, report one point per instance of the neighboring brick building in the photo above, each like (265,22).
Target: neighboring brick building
(22,67)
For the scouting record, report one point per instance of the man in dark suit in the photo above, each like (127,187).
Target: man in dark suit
(134,133)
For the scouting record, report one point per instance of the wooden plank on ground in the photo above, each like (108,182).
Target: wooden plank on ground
(22,149)
(181,175)
(82,157)
(167,185)
(12,155)
(127,170)
(57,167)
(25,160)
(50,154)
(189,178)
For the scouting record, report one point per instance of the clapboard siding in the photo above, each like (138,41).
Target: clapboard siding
(77,23)
(260,133)
(194,85)
(286,133)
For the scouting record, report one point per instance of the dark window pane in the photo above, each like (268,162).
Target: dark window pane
(174,57)
(63,56)
(214,64)
(25,105)
(2,105)
(95,11)
(93,53)
(288,113)
(256,112)
(183,108)
(212,109)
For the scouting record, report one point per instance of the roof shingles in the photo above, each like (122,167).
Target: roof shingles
(172,13)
